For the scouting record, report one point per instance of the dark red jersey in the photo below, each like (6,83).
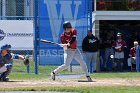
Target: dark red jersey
(121,44)
(67,38)
(132,52)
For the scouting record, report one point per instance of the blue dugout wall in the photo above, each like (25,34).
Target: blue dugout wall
(49,25)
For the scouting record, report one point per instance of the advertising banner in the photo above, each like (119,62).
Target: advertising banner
(17,33)
(52,14)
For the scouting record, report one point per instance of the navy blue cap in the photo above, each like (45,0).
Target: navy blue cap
(6,46)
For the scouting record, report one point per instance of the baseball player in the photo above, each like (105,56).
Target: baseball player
(6,61)
(119,46)
(68,39)
(132,55)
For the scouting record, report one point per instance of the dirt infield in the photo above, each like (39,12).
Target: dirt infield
(61,82)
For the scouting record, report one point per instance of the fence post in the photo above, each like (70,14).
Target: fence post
(137,59)
(90,19)
(35,36)
(28,67)
(90,9)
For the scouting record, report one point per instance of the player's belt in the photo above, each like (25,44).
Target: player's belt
(72,48)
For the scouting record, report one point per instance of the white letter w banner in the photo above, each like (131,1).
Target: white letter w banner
(52,14)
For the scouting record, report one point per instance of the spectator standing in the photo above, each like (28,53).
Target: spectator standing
(90,46)
(108,43)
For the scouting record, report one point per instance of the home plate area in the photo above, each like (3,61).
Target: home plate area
(70,80)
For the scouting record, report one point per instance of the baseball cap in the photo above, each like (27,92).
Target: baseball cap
(6,46)
(119,34)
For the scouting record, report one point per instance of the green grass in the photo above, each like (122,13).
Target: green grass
(27,76)
(19,73)
(99,89)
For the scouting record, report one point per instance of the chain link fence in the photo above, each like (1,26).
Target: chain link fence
(17,18)
(16,29)
(16,9)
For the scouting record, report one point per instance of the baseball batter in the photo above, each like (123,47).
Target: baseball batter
(6,61)
(68,39)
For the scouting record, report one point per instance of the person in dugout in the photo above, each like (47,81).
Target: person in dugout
(132,56)
(119,46)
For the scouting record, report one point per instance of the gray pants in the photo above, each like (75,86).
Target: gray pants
(91,58)
(70,54)
(108,52)
(118,64)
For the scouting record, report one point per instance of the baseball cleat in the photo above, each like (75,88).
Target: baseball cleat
(4,79)
(53,76)
(89,79)
(1,79)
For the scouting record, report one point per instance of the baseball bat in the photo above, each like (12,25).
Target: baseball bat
(50,42)
(47,41)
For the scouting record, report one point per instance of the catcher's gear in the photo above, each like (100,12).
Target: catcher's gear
(2,64)
(3,76)
(26,60)
(6,46)
(4,79)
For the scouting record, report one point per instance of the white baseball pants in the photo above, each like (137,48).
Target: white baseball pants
(3,68)
(69,54)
